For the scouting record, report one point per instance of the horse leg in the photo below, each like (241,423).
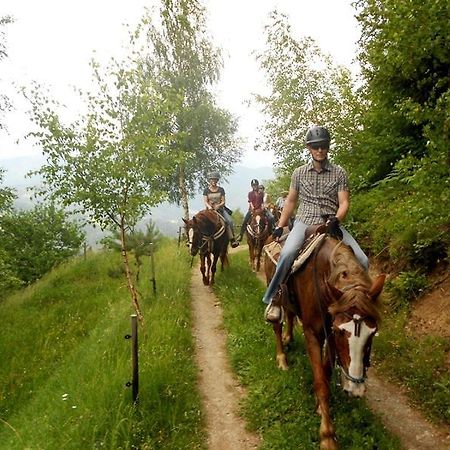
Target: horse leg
(322,390)
(288,335)
(203,269)
(213,268)
(208,272)
(280,355)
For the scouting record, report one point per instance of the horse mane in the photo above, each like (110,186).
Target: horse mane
(207,221)
(347,275)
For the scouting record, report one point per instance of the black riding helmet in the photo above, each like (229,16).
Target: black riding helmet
(317,134)
(254,182)
(213,176)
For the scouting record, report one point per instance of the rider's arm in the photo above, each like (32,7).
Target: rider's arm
(289,207)
(344,204)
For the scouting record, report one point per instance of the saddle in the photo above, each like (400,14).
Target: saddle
(314,236)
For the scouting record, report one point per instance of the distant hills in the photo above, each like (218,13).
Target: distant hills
(166,217)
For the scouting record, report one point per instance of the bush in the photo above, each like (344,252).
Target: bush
(406,287)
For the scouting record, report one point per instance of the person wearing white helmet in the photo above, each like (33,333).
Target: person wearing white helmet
(321,189)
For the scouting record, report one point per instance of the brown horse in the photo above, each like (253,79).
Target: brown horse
(337,304)
(257,233)
(207,235)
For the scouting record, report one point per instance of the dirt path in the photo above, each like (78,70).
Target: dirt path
(221,392)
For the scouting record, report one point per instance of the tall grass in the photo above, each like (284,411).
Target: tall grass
(281,405)
(65,361)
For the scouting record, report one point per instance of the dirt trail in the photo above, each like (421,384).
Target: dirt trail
(221,392)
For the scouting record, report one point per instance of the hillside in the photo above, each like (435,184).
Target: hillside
(167,217)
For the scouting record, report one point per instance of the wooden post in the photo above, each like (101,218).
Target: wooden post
(152,264)
(134,357)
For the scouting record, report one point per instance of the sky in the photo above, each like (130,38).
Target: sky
(52,42)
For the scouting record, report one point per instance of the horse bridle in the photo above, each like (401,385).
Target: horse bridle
(357,322)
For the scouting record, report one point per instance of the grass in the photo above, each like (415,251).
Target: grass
(280,405)
(417,363)
(65,361)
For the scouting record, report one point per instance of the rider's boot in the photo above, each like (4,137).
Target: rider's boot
(234,242)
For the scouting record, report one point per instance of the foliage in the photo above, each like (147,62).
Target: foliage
(184,63)
(5,104)
(306,88)
(138,242)
(406,287)
(37,240)
(64,373)
(7,196)
(402,147)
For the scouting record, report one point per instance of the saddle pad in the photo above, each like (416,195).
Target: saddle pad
(311,244)
(273,250)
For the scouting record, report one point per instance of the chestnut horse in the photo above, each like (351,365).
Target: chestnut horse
(208,236)
(338,307)
(258,231)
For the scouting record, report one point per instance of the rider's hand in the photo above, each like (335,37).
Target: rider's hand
(277,232)
(333,227)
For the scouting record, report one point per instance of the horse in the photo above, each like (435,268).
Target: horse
(258,230)
(338,305)
(207,235)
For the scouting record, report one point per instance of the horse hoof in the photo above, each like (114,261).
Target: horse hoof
(282,362)
(329,444)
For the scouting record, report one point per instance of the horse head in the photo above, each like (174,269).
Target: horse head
(258,223)
(355,318)
(193,235)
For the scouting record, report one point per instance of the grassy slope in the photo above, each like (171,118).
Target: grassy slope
(65,361)
(281,404)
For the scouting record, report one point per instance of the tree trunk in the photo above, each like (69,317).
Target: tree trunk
(183,192)
(131,287)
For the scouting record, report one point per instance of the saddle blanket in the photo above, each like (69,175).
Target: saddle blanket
(274,248)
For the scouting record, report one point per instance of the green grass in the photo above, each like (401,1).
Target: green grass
(281,405)
(65,361)
(417,363)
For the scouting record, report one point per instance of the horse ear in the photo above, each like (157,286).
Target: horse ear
(377,286)
(184,220)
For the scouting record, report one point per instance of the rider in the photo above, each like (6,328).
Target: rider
(322,188)
(255,201)
(214,198)
(266,202)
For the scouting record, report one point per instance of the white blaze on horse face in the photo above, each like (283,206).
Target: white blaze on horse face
(191,237)
(356,351)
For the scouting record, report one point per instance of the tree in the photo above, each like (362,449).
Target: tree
(185,64)
(306,88)
(5,104)
(110,164)
(138,242)
(37,240)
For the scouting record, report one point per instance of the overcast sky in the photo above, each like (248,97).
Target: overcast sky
(52,42)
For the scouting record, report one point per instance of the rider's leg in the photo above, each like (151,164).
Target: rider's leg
(360,255)
(244,225)
(288,253)
(230,229)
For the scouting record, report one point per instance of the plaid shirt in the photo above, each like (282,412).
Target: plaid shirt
(318,191)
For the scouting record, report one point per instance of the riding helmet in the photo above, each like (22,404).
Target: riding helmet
(254,182)
(213,176)
(317,134)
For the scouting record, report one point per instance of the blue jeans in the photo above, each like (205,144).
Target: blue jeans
(289,252)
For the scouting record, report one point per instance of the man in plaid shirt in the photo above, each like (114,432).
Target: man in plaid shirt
(322,191)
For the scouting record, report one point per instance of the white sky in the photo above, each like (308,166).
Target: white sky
(52,42)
